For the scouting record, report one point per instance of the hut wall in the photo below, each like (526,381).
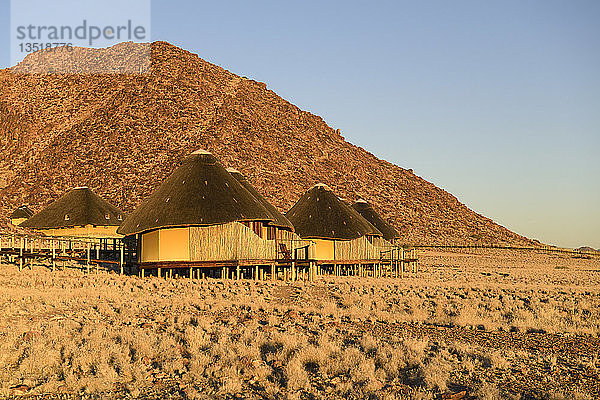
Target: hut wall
(227,242)
(150,247)
(356,249)
(323,249)
(174,244)
(17,221)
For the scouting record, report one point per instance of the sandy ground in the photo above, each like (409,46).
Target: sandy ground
(483,324)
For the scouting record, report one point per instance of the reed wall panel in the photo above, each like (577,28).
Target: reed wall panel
(356,249)
(232,241)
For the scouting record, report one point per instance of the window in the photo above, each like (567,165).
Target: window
(67,217)
(107,216)
(257,228)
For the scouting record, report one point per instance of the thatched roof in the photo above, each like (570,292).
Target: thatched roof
(78,207)
(319,213)
(199,192)
(279,220)
(367,211)
(21,212)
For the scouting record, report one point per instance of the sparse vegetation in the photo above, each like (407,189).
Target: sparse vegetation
(494,324)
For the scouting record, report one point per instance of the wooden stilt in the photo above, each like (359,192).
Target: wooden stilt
(121,259)
(87,252)
(402,262)
(21,254)
(53,255)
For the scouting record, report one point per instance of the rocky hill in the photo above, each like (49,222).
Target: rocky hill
(123,134)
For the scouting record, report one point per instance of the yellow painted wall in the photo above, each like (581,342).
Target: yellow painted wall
(17,221)
(84,231)
(174,244)
(323,249)
(150,247)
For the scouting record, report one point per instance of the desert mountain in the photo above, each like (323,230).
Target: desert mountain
(123,134)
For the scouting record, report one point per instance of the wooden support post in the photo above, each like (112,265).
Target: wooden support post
(88,256)
(53,255)
(142,272)
(416,258)
(191,273)
(402,262)
(121,258)
(21,254)
(293,277)
(158,272)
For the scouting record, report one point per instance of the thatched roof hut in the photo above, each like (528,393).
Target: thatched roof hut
(279,220)
(369,213)
(79,208)
(200,215)
(339,233)
(199,193)
(21,214)
(320,214)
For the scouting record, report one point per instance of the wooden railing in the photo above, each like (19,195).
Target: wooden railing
(98,252)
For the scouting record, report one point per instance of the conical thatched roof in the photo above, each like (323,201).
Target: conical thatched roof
(365,209)
(279,220)
(78,207)
(199,192)
(319,213)
(21,212)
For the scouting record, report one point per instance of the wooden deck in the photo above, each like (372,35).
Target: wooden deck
(113,254)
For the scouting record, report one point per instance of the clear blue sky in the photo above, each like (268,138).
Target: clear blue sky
(497,102)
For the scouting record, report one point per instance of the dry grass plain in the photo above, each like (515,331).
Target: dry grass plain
(493,324)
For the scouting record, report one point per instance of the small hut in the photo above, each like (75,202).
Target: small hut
(390,234)
(80,213)
(341,235)
(21,214)
(201,216)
